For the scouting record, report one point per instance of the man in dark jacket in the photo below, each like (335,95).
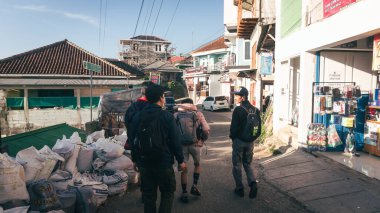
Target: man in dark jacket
(159,173)
(242,151)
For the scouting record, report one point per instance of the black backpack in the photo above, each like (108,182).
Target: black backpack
(150,139)
(187,122)
(252,127)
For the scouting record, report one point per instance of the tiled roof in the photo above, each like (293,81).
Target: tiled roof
(214,45)
(133,70)
(60,58)
(147,37)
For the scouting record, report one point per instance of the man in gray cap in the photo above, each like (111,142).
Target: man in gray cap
(245,129)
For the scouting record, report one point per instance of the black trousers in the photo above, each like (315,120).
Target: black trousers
(162,178)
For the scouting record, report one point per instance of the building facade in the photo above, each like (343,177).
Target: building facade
(320,41)
(49,85)
(205,78)
(144,50)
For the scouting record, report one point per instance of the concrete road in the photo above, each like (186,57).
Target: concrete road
(216,182)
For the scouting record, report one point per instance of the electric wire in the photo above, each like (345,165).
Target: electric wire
(137,23)
(151,10)
(100,23)
(175,10)
(159,10)
(105,23)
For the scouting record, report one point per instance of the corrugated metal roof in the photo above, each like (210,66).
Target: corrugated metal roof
(162,67)
(39,138)
(60,58)
(14,82)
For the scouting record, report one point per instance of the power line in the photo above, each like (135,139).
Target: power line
(205,41)
(100,23)
(137,23)
(151,9)
(159,10)
(105,23)
(172,18)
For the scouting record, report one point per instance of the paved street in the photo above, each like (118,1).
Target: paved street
(216,182)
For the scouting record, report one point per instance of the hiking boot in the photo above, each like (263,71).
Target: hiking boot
(195,191)
(239,192)
(253,191)
(184,198)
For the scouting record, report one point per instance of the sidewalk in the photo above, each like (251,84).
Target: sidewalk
(321,184)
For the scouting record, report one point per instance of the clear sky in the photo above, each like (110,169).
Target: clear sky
(98,25)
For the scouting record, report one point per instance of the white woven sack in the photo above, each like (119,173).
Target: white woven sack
(84,159)
(117,177)
(64,147)
(34,162)
(61,180)
(12,180)
(71,163)
(20,209)
(118,188)
(107,150)
(121,163)
(101,193)
(49,164)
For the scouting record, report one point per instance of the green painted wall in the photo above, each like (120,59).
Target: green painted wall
(291,14)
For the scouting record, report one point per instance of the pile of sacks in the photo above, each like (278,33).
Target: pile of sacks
(71,177)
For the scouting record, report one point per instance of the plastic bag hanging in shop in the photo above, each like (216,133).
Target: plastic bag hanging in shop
(333,139)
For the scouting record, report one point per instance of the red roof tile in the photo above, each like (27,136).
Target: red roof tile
(60,58)
(214,45)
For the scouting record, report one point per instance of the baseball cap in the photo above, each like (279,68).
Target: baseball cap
(242,91)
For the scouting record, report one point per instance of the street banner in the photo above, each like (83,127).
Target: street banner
(155,77)
(266,64)
(330,7)
(376,53)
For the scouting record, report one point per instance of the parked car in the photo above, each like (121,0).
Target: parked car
(215,103)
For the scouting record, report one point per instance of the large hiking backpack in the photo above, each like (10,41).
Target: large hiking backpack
(150,138)
(187,123)
(252,127)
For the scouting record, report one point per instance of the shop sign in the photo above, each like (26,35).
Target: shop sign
(330,7)
(266,64)
(155,78)
(334,76)
(376,53)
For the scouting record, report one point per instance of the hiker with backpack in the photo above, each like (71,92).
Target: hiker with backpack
(155,144)
(194,132)
(245,129)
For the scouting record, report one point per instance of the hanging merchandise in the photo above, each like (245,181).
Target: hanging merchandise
(336,107)
(323,105)
(336,93)
(329,105)
(357,92)
(317,105)
(348,91)
(342,108)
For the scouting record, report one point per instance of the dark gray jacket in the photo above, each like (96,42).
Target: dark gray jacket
(172,134)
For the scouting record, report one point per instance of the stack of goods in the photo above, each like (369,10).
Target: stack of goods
(316,137)
(71,177)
